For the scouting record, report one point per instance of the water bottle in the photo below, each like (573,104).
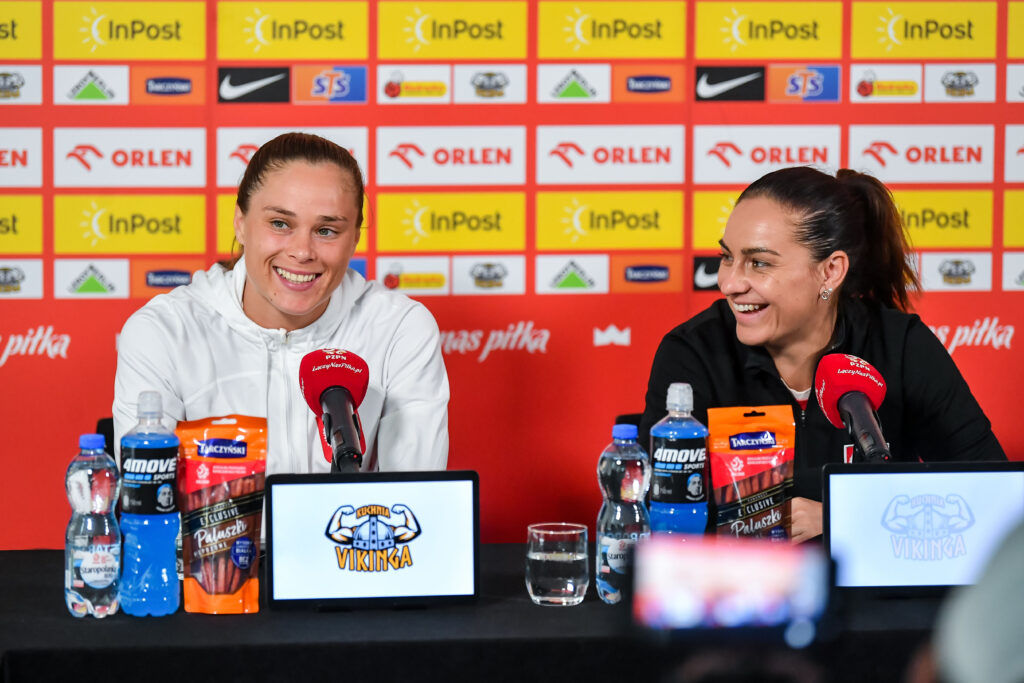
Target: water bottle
(149,513)
(624,474)
(92,542)
(679,487)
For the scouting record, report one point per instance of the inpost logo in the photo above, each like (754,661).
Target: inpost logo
(444,30)
(494,221)
(129,30)
(292,30)
(609,220)
(947,218)
(611,29)
(711,211)
(129,224)
(923,29)
(769,30)
(21,30)
(21,224)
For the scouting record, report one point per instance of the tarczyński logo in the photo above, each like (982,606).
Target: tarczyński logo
(373,538)
(927,527)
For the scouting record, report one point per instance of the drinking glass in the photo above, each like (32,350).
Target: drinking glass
(557,570)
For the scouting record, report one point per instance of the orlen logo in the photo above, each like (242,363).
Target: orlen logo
(83,154)
(568,151)
(925,153)
(407,152)
(129,157)
(726,151)
(880,150)
(221,448)
(133,158)
(587,154)
(746,441)
(244,152)
(615,154)
(469,155)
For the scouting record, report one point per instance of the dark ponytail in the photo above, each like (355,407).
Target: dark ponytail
(851,212)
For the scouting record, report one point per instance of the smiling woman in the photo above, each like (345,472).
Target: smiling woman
(814,264)
(231,342)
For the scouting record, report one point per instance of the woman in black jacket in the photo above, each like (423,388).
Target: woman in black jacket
(815,264)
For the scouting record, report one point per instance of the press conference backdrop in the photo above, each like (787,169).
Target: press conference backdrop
(549,178)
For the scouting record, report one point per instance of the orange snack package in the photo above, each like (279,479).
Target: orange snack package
(221,467)
(751,451)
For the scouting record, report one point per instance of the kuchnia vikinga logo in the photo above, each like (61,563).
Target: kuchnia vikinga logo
(373,538)
(927,527)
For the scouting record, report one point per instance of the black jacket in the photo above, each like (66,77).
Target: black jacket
(928,411)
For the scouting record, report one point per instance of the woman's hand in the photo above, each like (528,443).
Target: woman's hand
(805,520)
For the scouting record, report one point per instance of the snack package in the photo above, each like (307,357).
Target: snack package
(751,451)
(221,467)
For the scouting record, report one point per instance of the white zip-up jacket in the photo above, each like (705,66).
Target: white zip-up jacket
(197,347)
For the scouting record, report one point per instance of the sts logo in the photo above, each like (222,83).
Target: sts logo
(373,538)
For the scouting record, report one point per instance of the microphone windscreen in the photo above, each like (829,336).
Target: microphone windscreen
(840,373)
(325,368)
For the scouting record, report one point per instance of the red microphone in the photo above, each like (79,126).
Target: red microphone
(334,382)
(849,391)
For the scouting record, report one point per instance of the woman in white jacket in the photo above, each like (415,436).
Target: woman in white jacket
(232,340)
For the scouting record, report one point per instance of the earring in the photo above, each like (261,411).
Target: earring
(826,294)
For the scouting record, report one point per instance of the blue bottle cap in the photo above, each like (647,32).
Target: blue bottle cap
(92,441)
(624,432)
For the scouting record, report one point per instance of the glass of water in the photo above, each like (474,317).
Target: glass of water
(557,571)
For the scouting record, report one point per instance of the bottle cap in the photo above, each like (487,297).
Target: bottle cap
(92,442)
(150,404)
(679,398)
(624,432)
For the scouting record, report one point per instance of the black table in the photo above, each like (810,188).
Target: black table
(502,637)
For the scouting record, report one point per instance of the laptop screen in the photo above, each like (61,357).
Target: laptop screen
(918,524)
(396,538)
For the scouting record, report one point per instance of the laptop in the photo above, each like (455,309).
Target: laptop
(917,529)
(336,541)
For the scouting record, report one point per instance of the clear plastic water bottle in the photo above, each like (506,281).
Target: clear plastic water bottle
(624,474)
(679,487)
(149,513)
(92,542)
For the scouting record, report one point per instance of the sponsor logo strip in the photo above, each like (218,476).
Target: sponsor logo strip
(150,277)
(489,83)
(21,30)
(1013,226)
(489,274)
(883,83)
(493,221)
(948,218)
(168,85)
(574,83)
(21,157)
(21,83)
(129,224)
(647,83)
(609,220)
(733,83)
(420,275)
(328,84)
(21,279)
(960,83)
(769,30)
(91,279)
(936,30)
(803,83)
(21,224)
(599,30)
(923,154)
(710,213)
(650,273)
(135,31)
(572,274)
(451,30)
(288,31)
(414,84)
(235,85)
(950,272)
(86,85)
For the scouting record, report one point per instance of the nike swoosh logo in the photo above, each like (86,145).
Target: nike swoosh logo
(703,279)
(709,90)
(230,91)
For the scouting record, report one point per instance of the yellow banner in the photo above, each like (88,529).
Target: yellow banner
(609,220)
(710,213)
(21,30)
(129,224)
(451,30)
(129,30)
(1013,218)
(632,30)
(769,30)
(451,221)
(292,30)
(947,218)
(21,224)
(226,225)
(1015,30)
(911,30)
